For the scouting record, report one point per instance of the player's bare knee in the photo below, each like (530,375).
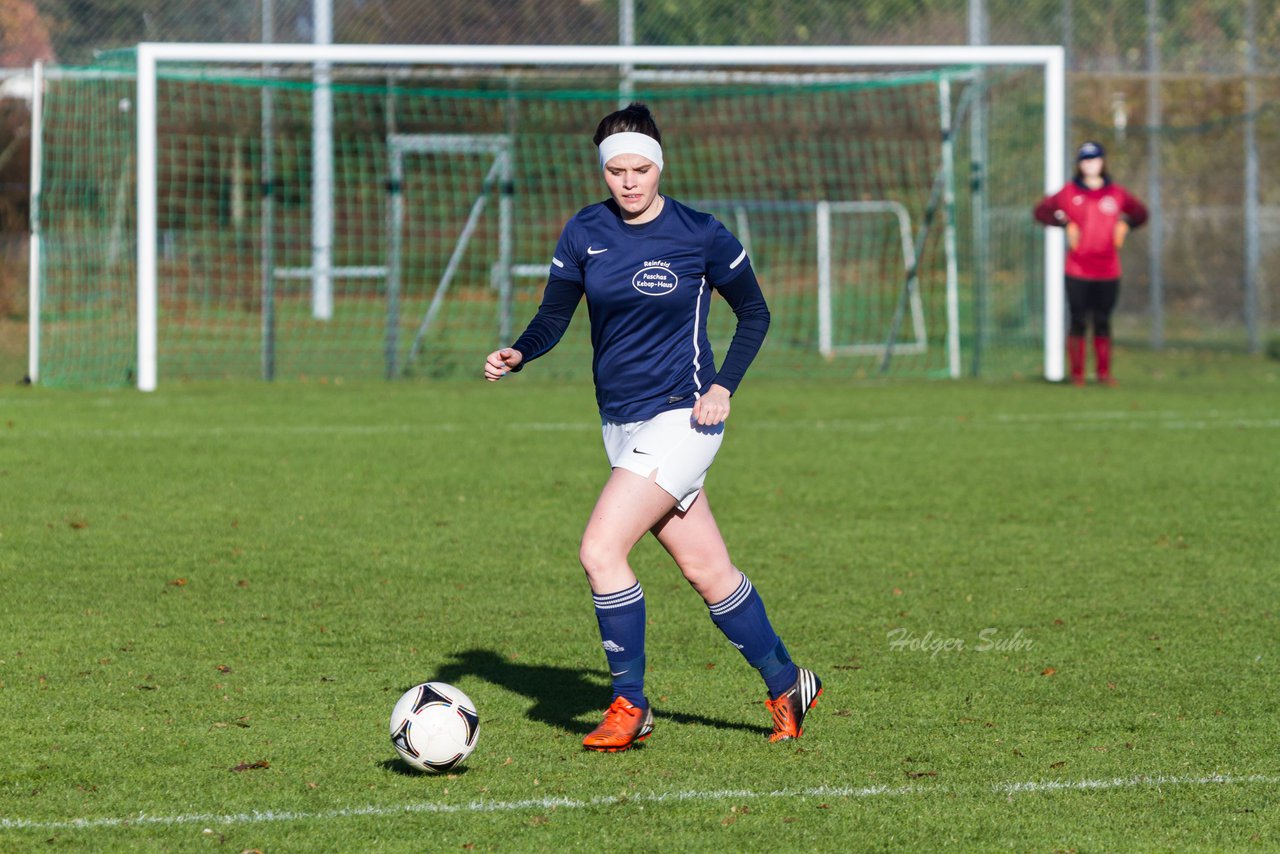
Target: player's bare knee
(704,575)
(599,556)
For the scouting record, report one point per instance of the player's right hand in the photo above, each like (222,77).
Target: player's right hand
(1073,235)
(500,362)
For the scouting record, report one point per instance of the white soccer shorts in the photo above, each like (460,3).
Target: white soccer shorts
(672,444)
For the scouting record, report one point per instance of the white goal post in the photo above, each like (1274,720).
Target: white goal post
(151,55)
(820,211)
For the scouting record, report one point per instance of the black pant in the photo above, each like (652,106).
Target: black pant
(1089,299)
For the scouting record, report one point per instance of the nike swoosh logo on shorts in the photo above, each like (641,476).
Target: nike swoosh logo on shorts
(643,453)
(619,673)
(591,251)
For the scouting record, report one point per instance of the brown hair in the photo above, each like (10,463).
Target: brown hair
(1106,175)
(634,118)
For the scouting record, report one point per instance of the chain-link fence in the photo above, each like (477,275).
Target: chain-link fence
(1183,93)
(1103,36)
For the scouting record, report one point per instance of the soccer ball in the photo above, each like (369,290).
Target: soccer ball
(434,727)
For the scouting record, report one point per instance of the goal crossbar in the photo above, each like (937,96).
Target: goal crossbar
(151,55)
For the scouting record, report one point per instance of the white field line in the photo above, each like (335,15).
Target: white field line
(1101,420)
(265,816)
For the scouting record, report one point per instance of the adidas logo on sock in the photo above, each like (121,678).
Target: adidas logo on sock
(610,646)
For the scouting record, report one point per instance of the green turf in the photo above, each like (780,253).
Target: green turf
(218,575)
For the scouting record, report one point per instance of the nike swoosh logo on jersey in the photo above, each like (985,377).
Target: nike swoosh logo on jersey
(642,453)
(591,251)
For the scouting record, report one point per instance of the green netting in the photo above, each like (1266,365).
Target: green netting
(821,182)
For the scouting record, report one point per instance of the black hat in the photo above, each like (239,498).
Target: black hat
(1090,150)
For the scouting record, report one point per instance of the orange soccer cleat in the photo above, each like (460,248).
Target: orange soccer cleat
(793,704)
(624,724)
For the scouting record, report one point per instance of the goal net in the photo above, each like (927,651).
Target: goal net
(295,212)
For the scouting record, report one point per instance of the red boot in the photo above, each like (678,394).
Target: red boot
(1102,353)
(1075,355)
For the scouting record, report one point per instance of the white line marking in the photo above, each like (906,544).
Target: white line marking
(1104,420)
(1131,782)
(263,816)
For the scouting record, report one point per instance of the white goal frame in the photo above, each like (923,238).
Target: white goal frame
(498,178)
(151,55)
(821,211)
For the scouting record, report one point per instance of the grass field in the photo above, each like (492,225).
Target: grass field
(217,577)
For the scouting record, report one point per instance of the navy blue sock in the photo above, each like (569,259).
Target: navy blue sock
(621,619)
(742,618)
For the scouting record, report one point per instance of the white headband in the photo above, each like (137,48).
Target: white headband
(631,143)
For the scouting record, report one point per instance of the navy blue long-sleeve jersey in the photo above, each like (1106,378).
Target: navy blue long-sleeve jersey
(648,289)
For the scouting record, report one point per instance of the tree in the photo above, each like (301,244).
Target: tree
(80,28)
(24,38)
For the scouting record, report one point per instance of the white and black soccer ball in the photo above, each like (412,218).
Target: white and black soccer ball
(434,727)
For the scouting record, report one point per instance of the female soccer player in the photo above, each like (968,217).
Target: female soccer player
(1097,214)
(646,264)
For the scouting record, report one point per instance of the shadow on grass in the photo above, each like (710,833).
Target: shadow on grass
(560,695)
(404,769)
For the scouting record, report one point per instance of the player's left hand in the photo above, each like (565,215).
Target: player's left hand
(1073,235)
(712,407)
(1122,231)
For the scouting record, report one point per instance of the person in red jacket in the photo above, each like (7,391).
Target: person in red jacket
(1097,214)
